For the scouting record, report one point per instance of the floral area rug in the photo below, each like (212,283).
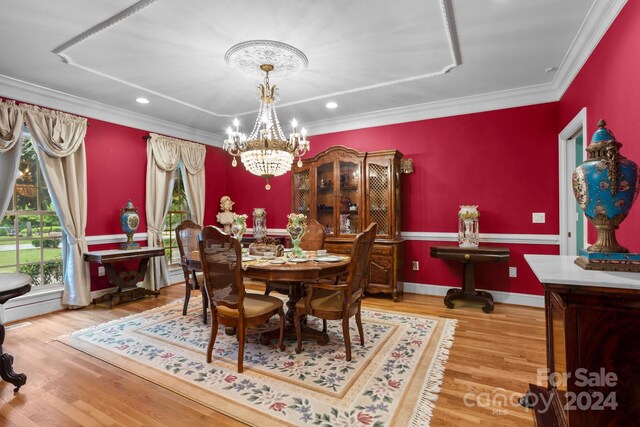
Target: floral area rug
(392,381)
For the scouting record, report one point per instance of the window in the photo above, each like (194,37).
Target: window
(178,212)
(30,232)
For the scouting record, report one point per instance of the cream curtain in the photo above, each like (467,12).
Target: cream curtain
(163,155)
(11,123)
(59,145)
(192,169)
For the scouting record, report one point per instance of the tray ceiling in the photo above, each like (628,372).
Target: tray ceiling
(370,57)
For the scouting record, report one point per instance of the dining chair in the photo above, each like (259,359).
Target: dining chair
(221,257)
(343,300)
(187,238)
(313,237)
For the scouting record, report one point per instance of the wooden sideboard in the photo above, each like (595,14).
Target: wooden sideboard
(593,323)
(345,190)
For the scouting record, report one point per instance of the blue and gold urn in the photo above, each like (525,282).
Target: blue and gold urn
(605,186)
(129,220)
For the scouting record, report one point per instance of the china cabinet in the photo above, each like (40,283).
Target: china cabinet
(345,190)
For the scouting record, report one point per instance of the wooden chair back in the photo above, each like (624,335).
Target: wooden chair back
(361,259)
(221,257)
(313,237)
(187,237)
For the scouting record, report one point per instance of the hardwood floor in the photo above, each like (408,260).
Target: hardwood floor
(493,359)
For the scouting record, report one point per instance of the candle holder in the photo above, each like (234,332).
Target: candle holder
(468,233)
(259,223)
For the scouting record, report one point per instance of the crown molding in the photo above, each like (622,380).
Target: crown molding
(531,95)
(598,20)
(593,28)
(32,93)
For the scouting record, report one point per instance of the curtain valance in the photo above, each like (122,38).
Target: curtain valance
(168,151)
(11,123)
(58,134)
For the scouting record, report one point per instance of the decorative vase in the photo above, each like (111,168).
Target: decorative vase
(129,220)
(239,226)
(259,223)
(468,232)
(345,224)
(295,228)
(605,186)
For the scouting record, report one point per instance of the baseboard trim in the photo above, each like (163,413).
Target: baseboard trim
(33,304)
(498,296)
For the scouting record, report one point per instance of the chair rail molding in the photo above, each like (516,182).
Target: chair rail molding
(525,239)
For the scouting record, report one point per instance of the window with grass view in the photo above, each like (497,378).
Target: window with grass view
(178,212)
(30,232)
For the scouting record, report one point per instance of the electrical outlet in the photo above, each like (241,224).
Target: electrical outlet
(101,271)
(513,272)
(538,218)
(415,265)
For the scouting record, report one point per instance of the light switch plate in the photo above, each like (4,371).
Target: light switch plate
(101,271)
(415,265)
(513,272)
(538,218)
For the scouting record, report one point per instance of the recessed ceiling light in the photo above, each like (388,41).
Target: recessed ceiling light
(142,100)
(332,105)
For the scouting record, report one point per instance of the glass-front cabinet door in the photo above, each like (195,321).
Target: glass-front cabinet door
(301,191)
(379,203)
(325,197)
(349,199)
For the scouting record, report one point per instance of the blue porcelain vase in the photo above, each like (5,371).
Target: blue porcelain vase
(129,220)
(605,186)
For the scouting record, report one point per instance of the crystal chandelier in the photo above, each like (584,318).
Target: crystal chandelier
(266,152)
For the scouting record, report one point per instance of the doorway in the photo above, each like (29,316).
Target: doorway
(571,154)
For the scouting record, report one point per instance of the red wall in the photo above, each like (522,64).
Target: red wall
(116,172)
(609,86)
(504,161)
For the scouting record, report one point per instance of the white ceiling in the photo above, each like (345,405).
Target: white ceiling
(381,61)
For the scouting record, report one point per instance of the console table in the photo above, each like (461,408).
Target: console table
(469,256)
(125,280)
(592,322)
(11,285)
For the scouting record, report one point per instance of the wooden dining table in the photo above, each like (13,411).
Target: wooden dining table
(288,278)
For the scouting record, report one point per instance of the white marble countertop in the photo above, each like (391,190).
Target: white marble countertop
(10,281)
(560,269)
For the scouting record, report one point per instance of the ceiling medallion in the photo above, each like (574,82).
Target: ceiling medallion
(247,57)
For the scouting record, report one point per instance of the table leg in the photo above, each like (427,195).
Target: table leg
(468,291)
(295,294)
(6,368)
(126,281)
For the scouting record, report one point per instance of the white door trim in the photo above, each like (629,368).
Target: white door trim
(579,122)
